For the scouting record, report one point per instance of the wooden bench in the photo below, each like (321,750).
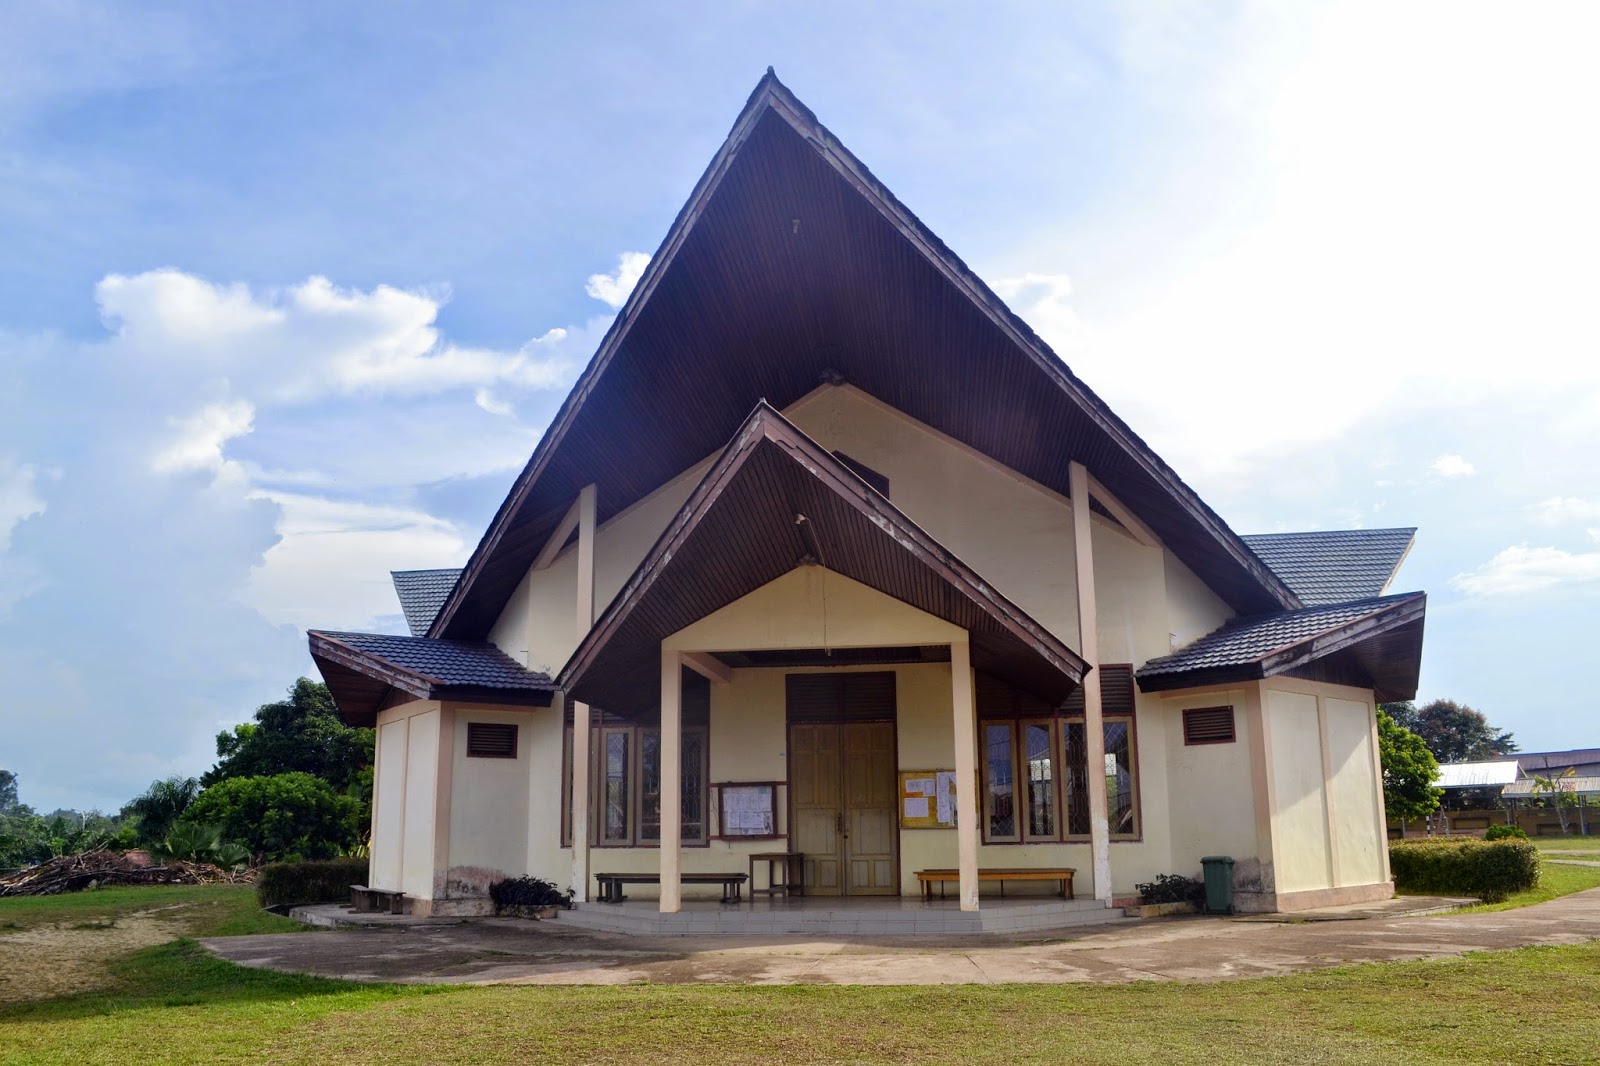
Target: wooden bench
(372,900)
(611,884)
(1061,874)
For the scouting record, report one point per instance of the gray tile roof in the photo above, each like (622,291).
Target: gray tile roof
(422,593)
(447,663)
(1336,565)
(1248,640)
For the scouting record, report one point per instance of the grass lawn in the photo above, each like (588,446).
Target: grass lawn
(1572,843)
(174,1003)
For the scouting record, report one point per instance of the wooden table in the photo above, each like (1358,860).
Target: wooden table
(792,863)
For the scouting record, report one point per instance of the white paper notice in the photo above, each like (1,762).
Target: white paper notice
(916,807)
(923,785)
(946,789)
(747,811)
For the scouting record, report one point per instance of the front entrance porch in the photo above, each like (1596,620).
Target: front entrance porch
(862,916)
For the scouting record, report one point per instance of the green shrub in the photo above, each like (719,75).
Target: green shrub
(282,817)
(1172,888)
(527,892)
(1501,832)
(1488,869)
(284,884)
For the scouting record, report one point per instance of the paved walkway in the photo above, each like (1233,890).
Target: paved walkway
(1184,949)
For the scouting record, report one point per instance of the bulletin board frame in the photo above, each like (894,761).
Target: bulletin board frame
(770,790)
(914,794)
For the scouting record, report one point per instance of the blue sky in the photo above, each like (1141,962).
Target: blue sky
(288,292)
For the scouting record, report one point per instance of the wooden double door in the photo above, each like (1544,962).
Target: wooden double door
(843,783)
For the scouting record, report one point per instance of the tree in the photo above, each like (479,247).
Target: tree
(299,734)
(1409,770)
(1453,731)
(282,816)
(160,805)
(1560,792)
(8,791)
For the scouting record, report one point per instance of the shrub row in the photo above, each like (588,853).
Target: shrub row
(1500,832)
(283,884)
(1488,869)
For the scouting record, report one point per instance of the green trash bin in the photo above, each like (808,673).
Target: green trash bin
(1219,883)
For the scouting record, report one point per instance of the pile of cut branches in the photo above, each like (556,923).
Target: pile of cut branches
(94,869)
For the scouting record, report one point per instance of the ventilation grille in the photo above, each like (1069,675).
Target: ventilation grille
(1208,725)
(491,740)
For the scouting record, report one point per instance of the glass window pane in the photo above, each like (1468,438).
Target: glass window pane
(1077,779)
(1000,791)
(1041,780)
(649,784)
(694,786)
(1119,776)
(615,761)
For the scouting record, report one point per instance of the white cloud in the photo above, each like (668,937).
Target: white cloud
(19,496)
(486,400)
(330,567)
(201,436)
(1450,465)
(305,342)
(613,289)
(1559,510)
(1520,570)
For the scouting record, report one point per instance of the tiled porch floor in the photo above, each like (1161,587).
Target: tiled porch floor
(880,916)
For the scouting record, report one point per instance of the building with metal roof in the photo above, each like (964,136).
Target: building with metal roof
(828,528)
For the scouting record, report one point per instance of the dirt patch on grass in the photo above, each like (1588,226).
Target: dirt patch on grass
(49,959)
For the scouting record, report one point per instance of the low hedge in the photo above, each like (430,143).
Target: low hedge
(282,884)
(1488,869)
(1500,832)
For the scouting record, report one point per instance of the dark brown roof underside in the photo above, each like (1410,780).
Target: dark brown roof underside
(738,531)
(789,261)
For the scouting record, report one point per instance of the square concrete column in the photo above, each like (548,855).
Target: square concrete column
(1094,735)
(671,850)
(580,801)
(964,721)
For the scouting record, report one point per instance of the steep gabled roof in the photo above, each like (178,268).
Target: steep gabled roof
(1373,643)
(1336,565)
(791,265)
(422,593)
(774,500)
(363,670)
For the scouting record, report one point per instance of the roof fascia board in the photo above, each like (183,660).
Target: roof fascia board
(833,152)
(766,425)
(419,685)
(664,255)
(1351,633)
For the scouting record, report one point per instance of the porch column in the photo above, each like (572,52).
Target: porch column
(670,851)
(1094,735)
(965,723)
(585,508)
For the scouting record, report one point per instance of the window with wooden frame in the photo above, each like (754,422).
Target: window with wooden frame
(1036,778)
(491,740)
(1208,725)
(625,776)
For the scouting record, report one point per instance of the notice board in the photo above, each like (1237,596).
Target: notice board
(927,799)
(748,811)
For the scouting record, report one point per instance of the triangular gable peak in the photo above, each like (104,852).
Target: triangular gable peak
(790,266)
(774,501)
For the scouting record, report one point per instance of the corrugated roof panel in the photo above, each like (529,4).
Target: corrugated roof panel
(1476,774)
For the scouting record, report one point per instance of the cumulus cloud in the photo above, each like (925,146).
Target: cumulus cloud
(1520,570)
(330,566)
(19,496)
(198,441)
(1450,466)
(613,289)
(1559,510)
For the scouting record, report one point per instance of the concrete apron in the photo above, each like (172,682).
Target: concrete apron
(504,950)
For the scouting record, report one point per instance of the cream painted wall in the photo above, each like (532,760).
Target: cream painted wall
(421,789)
(1301,839)
(388,805)
(545,857)
(1193,610)
(1211,795)
(488,805)
(1359,837)
(813,607)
